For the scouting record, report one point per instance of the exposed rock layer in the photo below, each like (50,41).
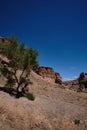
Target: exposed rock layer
(48,72)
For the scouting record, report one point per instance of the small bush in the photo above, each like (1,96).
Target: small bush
(30,96)
(77,122)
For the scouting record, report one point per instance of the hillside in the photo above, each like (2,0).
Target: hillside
(58,105)
(54,108)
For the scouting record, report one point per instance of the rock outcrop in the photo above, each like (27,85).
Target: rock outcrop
(48,72)
(83,80)
(58,78)
(80,82)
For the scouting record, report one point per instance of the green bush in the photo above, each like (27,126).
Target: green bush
(30,96)
(77,122)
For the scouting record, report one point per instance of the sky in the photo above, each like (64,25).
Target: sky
(57,29)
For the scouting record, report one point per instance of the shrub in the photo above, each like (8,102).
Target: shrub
(30,96)
(77,122)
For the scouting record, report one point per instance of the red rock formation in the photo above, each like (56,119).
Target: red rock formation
(58,78)
(83,80)
(48,72)
(80,82)
(83,76)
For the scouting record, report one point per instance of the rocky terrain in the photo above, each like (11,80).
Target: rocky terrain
(79,84)
(48,73)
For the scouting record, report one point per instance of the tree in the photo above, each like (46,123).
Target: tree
(20,62)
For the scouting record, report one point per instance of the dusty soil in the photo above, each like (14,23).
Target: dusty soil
(54,108)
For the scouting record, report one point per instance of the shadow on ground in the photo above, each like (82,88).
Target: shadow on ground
(11,92)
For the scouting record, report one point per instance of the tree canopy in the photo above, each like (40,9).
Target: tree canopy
(20,62)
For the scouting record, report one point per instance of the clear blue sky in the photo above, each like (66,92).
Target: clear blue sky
(56,28)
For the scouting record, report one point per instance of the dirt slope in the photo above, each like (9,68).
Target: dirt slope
(54,108)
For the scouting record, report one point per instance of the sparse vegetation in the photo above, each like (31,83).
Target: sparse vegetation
(77,121)
(20,61)
(30,96)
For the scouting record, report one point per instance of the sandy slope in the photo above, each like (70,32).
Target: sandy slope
(54,108)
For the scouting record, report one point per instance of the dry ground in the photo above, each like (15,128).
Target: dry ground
(54,108)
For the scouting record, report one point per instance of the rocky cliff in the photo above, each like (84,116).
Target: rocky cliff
(83,80)
(80,82)
(48,72)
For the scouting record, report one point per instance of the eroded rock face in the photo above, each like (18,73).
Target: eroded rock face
(58,78)
(83,80)
(80,82)
(48,72)
(83,76)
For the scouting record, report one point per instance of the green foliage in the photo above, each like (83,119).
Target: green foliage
(33,54)
(77,122)
(19,58)
(30,96)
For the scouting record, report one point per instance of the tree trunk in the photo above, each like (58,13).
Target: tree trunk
(18,87)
